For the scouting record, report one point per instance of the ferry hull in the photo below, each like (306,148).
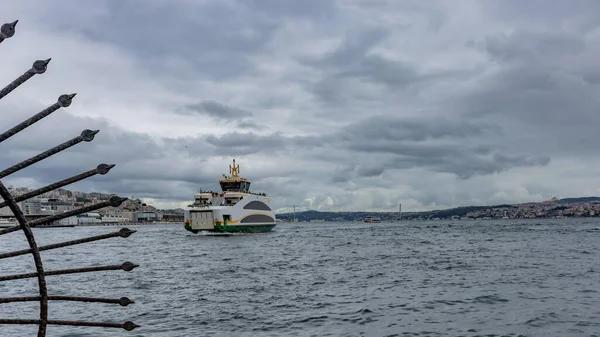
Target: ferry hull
(233,229)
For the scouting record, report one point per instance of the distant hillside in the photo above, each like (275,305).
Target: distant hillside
(442,214)
(353,216)
(581,199)
(336,216)
(461,211)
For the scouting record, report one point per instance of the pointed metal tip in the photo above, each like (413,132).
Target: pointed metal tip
(124,301)
(14,23)
(104,168)
(72,95)
(116,201)
(128,266)
(65,100)
(126,232)
(40,66)
(88,135)
(129,325)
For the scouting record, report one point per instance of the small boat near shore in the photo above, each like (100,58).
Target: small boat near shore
(372,219)
(5,223)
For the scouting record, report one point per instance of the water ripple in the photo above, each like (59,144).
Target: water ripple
(460,278)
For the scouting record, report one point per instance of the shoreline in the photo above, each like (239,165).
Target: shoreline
(100,224)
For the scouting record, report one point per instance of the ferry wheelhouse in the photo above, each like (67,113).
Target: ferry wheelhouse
(233,209)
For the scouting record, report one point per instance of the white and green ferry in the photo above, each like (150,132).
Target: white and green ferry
(235,209)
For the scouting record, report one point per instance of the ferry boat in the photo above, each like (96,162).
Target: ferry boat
(234,209)
(372,219)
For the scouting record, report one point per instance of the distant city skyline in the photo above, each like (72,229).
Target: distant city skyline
(327,105)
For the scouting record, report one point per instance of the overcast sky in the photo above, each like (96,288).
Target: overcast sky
(329,105)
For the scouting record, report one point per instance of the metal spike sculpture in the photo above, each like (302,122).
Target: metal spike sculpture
(39,67)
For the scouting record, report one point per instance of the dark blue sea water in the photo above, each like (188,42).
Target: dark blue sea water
(461,278)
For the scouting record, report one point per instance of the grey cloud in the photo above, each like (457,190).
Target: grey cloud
(328,90)
(435,143)
(346,69)
(465,166)
(216,110)
(246,143)
(543,92)
(381,70)
(140,159)
(415,129)
(531,47)
(343,175)
(352,49)
(245,124)
(541,12)
(307,9)
(167,168)
(370,171)
(156,30)
(527,102)
(235,143)
(285,187)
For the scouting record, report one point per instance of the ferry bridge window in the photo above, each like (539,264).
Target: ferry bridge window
(228,186)
(235,186)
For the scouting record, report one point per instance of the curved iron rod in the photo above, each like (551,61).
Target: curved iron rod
(39,67)
(126,266)
(123,301)
(124,233)
(101,169)
(39,267)
(86,135)
(126,326)
(7,30)
(114,202)
(63,102)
